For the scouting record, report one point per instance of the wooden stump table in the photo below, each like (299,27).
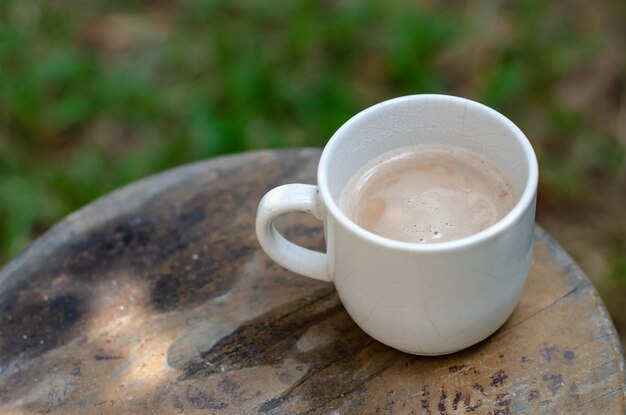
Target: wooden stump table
(158,299)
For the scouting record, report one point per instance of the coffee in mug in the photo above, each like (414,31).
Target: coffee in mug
(428,194)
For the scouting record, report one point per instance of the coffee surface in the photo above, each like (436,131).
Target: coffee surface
(428,194)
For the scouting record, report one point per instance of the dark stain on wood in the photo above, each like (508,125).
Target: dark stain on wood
(533,394)
(503,403)
(107,244)
(202,400)
(467,404)
(547,352)
(228,386)
(35,324)
(555,382)
(456,368)
(106,357)
(272,404)
(76,371)
(458,396)
(573,389)
(177,403)
(498,378)
(164,293)
(425,400)
(441,406)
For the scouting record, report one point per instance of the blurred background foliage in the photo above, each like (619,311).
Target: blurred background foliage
(94,95)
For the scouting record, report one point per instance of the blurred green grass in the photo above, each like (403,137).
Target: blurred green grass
(94,95)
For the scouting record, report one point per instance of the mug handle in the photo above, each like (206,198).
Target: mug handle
(278,201)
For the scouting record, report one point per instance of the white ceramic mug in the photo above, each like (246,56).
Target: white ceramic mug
(425,299)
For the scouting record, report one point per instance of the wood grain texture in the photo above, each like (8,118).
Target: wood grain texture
(158,299)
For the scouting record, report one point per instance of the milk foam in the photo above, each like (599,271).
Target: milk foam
(428,194)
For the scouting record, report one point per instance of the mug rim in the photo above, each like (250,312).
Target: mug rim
(526,199)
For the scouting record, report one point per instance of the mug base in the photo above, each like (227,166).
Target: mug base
(429,354)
